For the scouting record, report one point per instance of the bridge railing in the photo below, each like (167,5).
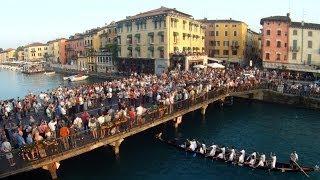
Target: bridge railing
(47,149)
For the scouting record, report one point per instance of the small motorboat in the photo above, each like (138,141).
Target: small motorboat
(49,73)
(75,78)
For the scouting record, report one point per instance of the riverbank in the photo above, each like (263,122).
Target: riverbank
(271,96)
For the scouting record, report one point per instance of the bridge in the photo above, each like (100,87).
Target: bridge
(52,152)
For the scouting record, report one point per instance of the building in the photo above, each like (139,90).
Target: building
(10,54)
(304,43)
(105,63)
(3,56)
(36,52)
(109,35)
(74,48)
(226,39)
(90,49)
(57,51)
(275,39)
(21,56)
(146,41)
(253,49)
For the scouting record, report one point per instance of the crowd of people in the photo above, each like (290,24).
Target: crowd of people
(57,117)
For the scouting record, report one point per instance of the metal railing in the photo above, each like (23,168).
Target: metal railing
(50,148)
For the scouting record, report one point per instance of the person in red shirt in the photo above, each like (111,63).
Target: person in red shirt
(85,119)
(64,134)
(132,116)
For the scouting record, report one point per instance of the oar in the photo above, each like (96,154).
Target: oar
(301,169)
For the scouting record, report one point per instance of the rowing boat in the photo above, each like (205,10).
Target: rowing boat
(282,167)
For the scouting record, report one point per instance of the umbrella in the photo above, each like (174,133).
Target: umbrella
(216,66)
(199,66)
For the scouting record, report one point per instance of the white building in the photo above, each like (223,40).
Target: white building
(304,43)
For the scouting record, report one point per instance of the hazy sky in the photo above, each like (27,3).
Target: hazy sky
(26,21)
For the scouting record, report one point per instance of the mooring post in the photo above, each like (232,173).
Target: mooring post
(177,120)
(203,109)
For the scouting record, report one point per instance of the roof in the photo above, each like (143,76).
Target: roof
(56,40)
(35,44)
(158,11)
(305,25)
(276,18)
(253,32)
(220,21)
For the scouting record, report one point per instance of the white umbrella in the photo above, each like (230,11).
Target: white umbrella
(216,65)
(199,66)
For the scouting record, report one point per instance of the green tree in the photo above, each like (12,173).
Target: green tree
(20,48)
(1,49)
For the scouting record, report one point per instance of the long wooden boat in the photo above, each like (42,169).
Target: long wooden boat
(282,167)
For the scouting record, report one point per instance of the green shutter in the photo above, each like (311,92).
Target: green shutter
(160,48)
(160,33)
(151,34)
(137,35)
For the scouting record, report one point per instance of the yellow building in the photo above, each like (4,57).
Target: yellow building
(3,56)
(36,52)
(7,55)
(226,39)
(21,56)
(147,41)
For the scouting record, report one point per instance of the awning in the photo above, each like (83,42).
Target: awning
(175,33)
(213,59)
(216,65)
(176,48)
(151,34)
(129,36)
(137,35)
(185,48)
(160,33)
(160,48)
(137,48)
(129,48)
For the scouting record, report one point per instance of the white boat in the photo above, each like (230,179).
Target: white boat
(49,73)
(75,78)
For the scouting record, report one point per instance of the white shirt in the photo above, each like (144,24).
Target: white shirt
(140,110)
(78,122)
(101,120)
(52,125)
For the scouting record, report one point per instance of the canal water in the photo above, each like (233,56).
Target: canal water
(253,126)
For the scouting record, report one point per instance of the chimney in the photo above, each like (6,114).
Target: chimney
(288,15)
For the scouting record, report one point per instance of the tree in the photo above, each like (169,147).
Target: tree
(20,48)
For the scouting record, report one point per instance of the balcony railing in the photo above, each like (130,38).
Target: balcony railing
(294,48)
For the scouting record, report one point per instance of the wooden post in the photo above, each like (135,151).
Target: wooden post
(52,168)
(116,146)
(203,109)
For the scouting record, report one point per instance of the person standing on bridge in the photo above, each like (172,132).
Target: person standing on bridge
(6,148)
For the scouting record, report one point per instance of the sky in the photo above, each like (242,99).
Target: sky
(27,21)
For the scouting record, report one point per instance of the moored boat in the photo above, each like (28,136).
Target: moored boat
(280,167)
(75,78)
(48,73)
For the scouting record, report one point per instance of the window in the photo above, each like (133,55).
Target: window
(268,32)
(234,33)
(279,32)
(278,57)
(279,44)
(151,39)
(309,44)
(161,55)
(218,43)
(234,25)
(216,52)
(226,33)
(310,33)
(234,52)
(217,25)
(155,24)
(225,52)
(267,56)
(294,56)
(295,32)
(211,43)
(285,44)
(184,24)
(211,33)
(162,38)
(217,33)
(309,59)
(268,43)
(294,44)
(226,25)
(226,43)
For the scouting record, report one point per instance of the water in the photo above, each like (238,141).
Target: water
(258,126)
(15,84)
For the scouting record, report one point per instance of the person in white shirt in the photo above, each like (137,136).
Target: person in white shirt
(78,123)
(52,126)
(241,157)
(101,121)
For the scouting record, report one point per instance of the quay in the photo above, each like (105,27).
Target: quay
(83,141)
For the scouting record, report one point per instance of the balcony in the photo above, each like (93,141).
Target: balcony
(234,46)
(294,48)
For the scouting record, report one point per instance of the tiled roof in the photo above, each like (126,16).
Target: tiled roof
(276,18)
(158,11)
(35,44)
(305,25)
(220,21)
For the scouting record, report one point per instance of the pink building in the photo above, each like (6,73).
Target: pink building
(275,39)
(74,47)
(62,51)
